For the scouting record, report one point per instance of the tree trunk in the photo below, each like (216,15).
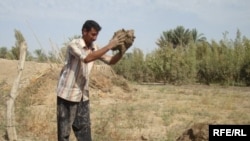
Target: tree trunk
(11,130)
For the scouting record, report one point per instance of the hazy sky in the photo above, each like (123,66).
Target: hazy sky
(42,21)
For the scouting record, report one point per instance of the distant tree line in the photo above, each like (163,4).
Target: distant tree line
(183,56)
(38,55)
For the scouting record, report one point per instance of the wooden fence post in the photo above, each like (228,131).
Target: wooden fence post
(11,129)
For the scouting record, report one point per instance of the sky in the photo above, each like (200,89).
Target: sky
(48,24)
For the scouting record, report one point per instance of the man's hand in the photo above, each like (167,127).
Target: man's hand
(116,41)
(129,39)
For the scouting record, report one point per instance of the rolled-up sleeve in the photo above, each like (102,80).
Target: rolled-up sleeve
(74,50)
(105,58)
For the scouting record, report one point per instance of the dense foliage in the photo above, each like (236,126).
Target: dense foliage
(226,62)
(183,56)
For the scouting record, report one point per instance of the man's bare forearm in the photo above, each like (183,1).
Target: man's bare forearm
(97,54)
(115,58)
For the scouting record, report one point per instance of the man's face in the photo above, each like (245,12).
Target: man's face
(90,36)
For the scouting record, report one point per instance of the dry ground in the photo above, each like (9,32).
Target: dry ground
(120,111)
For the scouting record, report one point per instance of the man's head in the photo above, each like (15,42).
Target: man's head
(90,30)
(91,24)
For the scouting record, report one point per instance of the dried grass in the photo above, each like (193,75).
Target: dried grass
(155,113)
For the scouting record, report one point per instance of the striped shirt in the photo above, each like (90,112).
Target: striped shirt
(74,77)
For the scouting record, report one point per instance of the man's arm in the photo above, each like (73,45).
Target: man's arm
(111,60)
(115,58)
(100,53)
(74,50)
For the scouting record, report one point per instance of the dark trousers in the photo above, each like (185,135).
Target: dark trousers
(73,115)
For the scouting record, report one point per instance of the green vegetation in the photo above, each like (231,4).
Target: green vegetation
(183,56)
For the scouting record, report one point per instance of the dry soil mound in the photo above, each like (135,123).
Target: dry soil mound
(198,132)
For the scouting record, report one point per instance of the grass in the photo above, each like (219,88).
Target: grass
(164,112)
(154,112)
(4,92)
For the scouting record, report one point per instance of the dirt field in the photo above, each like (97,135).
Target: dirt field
(122,111)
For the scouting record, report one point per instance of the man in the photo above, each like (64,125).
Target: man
(72,90)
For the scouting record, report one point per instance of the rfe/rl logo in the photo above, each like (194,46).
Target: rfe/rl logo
(229,132)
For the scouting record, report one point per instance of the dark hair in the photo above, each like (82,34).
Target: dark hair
(91,24)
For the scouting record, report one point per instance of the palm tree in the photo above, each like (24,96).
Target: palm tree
(197,37)
(166,38)
(177,37)
(181,36)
